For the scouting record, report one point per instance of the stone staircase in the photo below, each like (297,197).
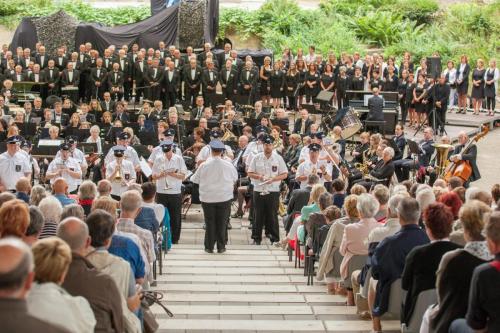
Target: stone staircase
(247,289)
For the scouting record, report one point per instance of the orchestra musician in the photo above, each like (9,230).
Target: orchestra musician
(470,155)
(13,165)
(67,167)
(313,165)
(266,171)
(399,141)
(169,170)
(303,124)
(426,149)
(382,171)
(120,172)
(129,154)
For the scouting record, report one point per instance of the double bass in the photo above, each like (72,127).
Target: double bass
(463,169)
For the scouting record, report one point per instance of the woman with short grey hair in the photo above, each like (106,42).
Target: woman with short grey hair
(354,240)
(38,192)
(86,195)
(51,209)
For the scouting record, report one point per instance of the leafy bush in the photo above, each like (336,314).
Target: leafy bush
(421,11)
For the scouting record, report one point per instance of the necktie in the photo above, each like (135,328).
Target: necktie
(199,113)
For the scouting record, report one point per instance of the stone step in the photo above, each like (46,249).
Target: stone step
(234,263)
(227,257)
(231,270)
(235,309)
(230,251)
(239,288)
(234,298)
(226,278)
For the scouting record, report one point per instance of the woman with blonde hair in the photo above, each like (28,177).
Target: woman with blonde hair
(463,71)
(47,300)
(491,77)
(265,87)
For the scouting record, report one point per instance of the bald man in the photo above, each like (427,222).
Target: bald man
(16,278)
(100,290)
(60,189)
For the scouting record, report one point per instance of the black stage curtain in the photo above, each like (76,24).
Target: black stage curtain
(25,35)
(147,33)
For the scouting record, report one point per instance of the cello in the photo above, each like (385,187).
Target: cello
(463,169)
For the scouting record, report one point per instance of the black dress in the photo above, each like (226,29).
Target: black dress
(291,82)
(357,83)
(302,81)
(265,84)
(478,91)
(463,87)
(391,83)
(419,106)
(312,92)
(489,89)
(326,80)
(277,80)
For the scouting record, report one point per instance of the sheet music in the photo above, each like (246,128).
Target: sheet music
(145,168)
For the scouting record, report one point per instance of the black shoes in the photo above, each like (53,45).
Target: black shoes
(256,242)
(218,251)
(209,251)
(237,215)
(221,250)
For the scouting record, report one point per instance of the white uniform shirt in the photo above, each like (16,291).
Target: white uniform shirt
(174,184)
(206,153)
(304,154)
(269,167)
(216,178)
(157,152)
(12,168)
(128,173)
(305,169)
(129,155)
(73,165)
(78,155)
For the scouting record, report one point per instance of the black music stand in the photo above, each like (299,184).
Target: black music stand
(87,148)
(26,129)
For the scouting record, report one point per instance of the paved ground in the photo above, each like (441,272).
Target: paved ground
(488,160)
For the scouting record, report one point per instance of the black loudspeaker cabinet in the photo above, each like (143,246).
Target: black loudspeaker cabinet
(433,66)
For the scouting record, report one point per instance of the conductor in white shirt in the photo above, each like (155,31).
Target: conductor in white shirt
(216,178)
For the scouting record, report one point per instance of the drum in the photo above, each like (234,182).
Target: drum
(350,124)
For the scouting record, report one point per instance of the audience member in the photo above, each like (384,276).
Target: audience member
(14,219)
(38,193)
(47,300)
(87,192)
(60,189)
(23,189)
(16,280)
(35,226)
(51,209)
(100,290)
(73,210)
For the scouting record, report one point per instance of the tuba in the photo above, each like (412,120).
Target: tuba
(441,157)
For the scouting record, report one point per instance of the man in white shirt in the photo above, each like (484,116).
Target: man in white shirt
(130,154)
(157,151)
(266,171)
(322,168)
(76,153)
(205,152)
(169,170)
(216,178)
(120,172)
(65,166)
(13,165)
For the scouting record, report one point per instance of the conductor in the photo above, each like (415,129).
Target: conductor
(216,178)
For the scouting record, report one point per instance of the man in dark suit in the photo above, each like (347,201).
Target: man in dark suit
(177,60)
(382,170)
(140,69)
(399,141)
(302,125)
(154,78)
(42,58)
(70,77)
(83,65)
(115,82)
(60,60)
(468,155)
(171,84)
(120,113)
(375,107)
(59,117)
(298,199)
(19,75)
(388,260)
(107,61)
(209,79)
(198,110)
(25,60)
(248,81)
(229,80)
(52,78)
(107,104)
(98,79)
(85,115)
(420,275)
(441,95)
(192,81)
(281,119)
(126,69)
(426,149)
(224,56)
(203,55)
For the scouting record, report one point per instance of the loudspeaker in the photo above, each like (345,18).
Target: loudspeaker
(433,66)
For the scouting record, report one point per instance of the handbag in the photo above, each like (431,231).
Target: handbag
(148,298)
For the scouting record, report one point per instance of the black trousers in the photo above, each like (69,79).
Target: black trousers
(216,216)
(440,119)
(169,98)
(266,214)
(173,202)
(404,111)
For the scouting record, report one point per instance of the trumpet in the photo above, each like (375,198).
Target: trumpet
(118,174)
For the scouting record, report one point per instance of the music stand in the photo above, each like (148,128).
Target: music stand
(325,96)
(87,148)
(26,86)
